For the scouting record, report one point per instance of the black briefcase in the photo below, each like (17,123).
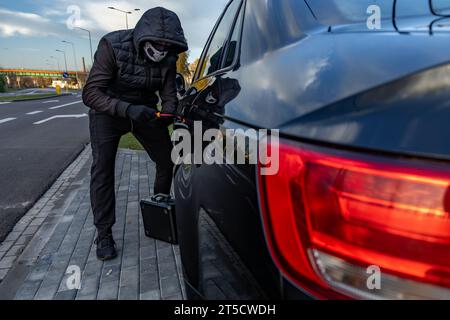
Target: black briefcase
(158,214)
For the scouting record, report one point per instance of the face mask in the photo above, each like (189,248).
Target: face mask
(154,54)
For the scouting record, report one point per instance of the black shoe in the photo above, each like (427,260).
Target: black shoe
(106,248)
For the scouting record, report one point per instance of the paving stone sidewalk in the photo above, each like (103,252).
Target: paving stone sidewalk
(56,237)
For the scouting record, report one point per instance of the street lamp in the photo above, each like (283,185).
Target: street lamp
(90,42)
(74,57)
(126,13)
(65,63)
(57,60)
(65,59)
(74,52)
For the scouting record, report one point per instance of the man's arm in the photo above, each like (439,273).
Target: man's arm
(101,76)
(168,93)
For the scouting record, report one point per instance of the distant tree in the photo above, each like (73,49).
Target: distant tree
(3,84)
(41,82)
(183,64)
(13,81)
(192,67)
(27,82)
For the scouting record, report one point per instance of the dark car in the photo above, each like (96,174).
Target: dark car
(360,204)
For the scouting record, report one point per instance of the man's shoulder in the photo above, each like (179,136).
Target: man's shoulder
(118,36)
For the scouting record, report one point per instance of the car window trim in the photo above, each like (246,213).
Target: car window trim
(211,36)
(238,17)
(208,42)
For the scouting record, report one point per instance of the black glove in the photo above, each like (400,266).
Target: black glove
(140,113)
(166,119)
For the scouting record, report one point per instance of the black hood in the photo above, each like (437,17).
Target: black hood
(160,24)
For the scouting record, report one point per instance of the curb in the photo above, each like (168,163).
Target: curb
(41,98)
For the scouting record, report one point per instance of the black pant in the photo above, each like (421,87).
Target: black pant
(106,132)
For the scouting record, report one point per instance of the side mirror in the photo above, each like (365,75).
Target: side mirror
(181,84)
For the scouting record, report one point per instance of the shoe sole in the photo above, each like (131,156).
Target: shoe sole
(107,257)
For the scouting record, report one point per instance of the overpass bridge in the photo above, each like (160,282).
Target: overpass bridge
(39,73)
(36,78)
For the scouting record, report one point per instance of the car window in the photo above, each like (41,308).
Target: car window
(411,8)
(272,24)
(336,12)
(441,6)
(233,45)
(211,59)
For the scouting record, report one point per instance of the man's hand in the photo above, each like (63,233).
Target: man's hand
(172,117)
(140,113)
(180,122)
(165,118)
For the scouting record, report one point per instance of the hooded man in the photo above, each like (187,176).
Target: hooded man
(130,67)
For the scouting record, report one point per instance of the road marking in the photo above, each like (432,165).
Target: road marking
(34,112)
(65,105)
(5,102)
(50,101)
(7,120)
(62,116)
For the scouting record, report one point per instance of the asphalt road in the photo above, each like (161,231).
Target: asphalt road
(27,92)
(35,149)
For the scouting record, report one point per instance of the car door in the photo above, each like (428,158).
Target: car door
(218,219)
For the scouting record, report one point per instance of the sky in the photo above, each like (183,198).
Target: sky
(32,30)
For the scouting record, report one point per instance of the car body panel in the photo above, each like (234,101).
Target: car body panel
(325,69)
(335,84)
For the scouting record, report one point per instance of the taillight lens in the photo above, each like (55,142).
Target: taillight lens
(330,216)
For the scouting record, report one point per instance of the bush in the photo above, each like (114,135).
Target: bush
(2,84)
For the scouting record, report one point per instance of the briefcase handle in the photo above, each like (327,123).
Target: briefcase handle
(161,197)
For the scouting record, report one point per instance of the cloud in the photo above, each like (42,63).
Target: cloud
(13,23)
(50,18)
(197,26)
(29,49)
(50,12)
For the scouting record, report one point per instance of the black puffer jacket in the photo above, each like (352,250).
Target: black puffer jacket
(123,75)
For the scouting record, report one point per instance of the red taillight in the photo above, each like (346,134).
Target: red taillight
(328,217)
